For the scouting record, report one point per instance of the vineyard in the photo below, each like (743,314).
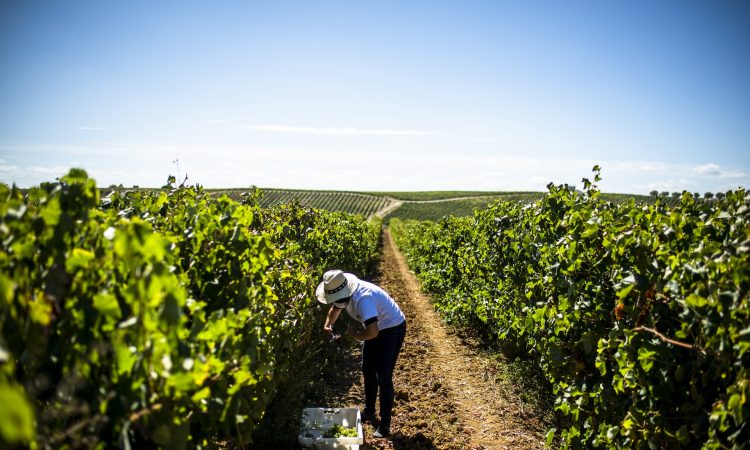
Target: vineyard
(637,314)
(335,201)
(165,318)
(426,205)
(423,196)
(183,318)
(436,210)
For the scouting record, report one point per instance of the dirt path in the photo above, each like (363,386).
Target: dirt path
(384,211)
(444,396)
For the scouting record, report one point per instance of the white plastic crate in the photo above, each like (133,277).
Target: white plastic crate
(316,421)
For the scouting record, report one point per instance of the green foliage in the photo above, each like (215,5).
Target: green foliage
(162,318)
(638,314)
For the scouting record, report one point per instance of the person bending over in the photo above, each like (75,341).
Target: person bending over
(383,335)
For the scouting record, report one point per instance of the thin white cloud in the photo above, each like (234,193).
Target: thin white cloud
(420,165)
(671,185)
(34,175)
(717,171)
(30,176)
(8,169)
(732,175)
(339,131)
(639,167)
(110,149)
(708,169)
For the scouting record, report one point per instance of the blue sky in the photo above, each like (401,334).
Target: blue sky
(418,95)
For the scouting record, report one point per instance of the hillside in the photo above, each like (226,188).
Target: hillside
(418,205)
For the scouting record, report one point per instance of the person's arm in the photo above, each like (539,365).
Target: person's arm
(333,315)
(370,332)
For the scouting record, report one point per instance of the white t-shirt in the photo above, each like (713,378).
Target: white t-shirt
(369,301)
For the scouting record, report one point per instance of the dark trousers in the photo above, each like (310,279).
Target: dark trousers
(378,361)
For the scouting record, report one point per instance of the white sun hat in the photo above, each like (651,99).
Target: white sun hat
(335,286)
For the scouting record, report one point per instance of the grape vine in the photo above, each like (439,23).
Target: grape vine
(637,314)
(164,318)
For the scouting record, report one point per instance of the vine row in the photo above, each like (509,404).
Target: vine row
(637,314)
(166,318)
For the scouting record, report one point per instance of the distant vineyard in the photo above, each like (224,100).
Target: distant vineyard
(464,205)
(426,205)
(449,195)
(334,201)
(437,210)
(521,196)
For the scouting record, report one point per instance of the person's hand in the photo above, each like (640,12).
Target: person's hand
(328,329)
